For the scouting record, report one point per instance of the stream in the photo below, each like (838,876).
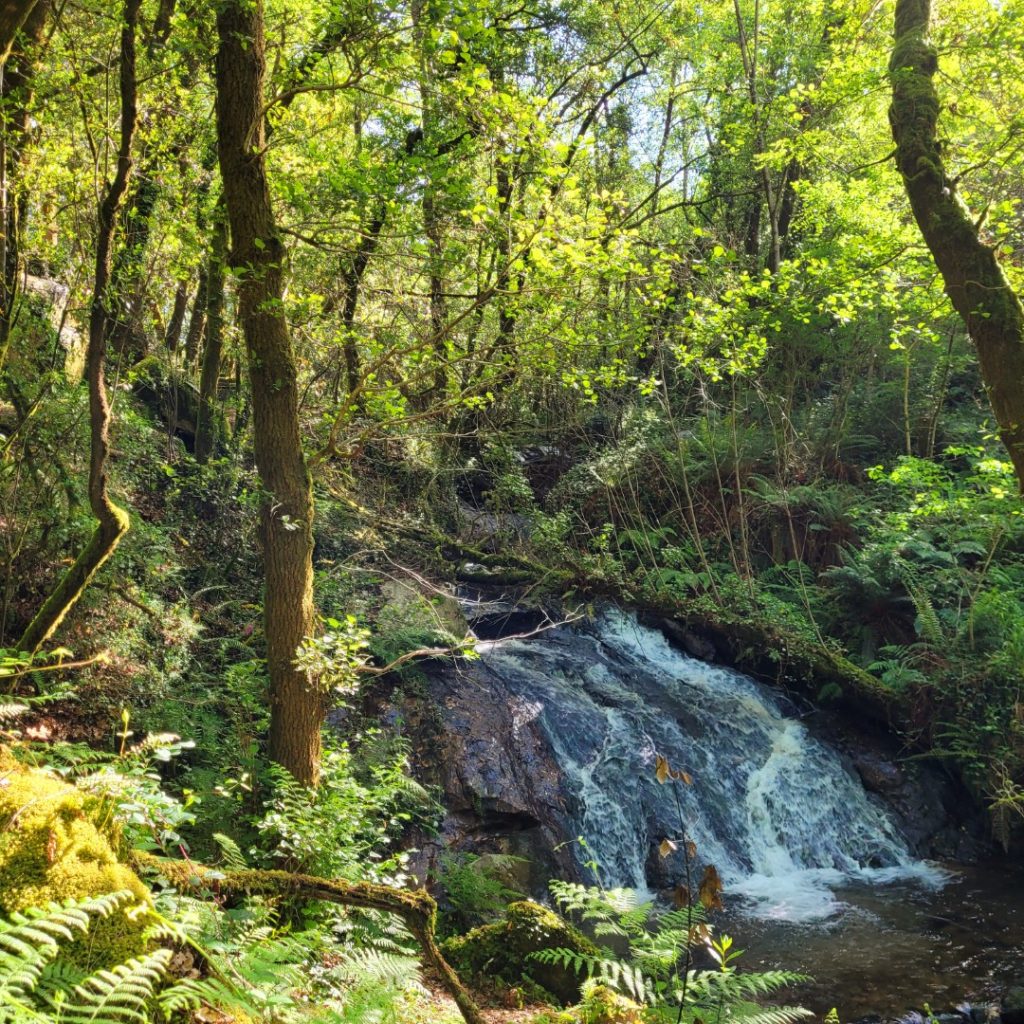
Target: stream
(818,873)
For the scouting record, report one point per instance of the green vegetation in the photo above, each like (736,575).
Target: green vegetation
(311,310)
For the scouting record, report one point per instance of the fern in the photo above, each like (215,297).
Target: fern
(231,852)
(656,969)
(35,985)
(121,995)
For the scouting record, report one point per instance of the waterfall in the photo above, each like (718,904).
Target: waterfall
(776,811)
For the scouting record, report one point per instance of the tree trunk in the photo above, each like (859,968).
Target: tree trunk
(111,521)
(207,433)
(13,14)
(196,323)
(296,703)
(127,331)
(15,101)
(975,282)
(353,277)
(177,321)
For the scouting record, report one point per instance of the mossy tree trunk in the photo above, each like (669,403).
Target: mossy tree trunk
(416,908)
(974,280)
(111,521)
(296,703)
(13,14)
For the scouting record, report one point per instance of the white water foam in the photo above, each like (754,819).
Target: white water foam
(775,810)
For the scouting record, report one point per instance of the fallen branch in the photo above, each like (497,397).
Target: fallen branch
(416,908)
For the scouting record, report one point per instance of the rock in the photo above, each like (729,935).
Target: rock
(601,1005)
(696,645)
(1012,1009)
(501,782)
(501,951)
(52,851)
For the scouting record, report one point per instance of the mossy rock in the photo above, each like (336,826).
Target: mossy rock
(51,851)
(601,1005)
(501,950)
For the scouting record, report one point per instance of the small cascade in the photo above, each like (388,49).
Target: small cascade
(775,810)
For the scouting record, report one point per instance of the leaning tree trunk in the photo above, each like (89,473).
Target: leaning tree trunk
(975,282)
(13,14)
(296,703)
(111,521)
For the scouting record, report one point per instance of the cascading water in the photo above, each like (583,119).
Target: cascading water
(775,810)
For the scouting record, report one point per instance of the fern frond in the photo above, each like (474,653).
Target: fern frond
(374,966)
(120,995)
(231,852)
(770,1015)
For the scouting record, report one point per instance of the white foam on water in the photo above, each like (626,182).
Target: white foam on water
(775,810)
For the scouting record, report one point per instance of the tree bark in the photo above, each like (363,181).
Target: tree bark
(296,703)
(196,323)
(13,14)
(353,277)
(127,331)
(111,521)
(974,280)
(15,101)
(207,434)
(177,321)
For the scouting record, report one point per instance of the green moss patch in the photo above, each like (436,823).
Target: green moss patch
(51,851)
(499,951)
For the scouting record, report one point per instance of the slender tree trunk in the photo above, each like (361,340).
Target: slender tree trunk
(296,703)
(353,282)
(111,521)
(975,282)
(177,321)
(15,101)
(196,323)
(207,434)
(127,332)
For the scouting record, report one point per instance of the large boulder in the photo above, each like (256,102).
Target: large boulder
(501,951)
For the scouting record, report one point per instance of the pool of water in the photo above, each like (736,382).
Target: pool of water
(891,948)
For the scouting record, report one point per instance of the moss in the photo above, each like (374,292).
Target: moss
(601,1005)
(50,850)
(500,951)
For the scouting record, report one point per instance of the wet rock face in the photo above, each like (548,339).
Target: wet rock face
(936,816)
(501,784)
(492,749)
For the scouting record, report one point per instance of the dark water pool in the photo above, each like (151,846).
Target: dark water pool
(895,947)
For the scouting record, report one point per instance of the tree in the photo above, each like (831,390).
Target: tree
(976,284)
(13,14)
(257,254)
(112,522)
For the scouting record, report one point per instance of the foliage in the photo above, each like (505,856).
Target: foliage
(346,828)
(656,967)
(476,889)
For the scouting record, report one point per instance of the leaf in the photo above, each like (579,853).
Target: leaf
(710,890)
(667,847)
(661,769)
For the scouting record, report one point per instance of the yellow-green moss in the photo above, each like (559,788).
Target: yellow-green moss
(500,951)
(601,1005)
(50,850)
